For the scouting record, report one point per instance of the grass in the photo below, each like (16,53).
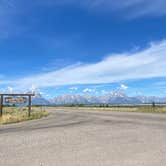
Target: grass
(15,115)
(122,108)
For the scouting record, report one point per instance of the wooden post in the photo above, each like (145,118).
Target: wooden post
(29,106)
(14,95)
(1,105)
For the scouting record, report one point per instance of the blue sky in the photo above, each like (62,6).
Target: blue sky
(94,46)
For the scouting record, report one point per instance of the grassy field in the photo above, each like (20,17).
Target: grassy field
(16,114)
(120,108)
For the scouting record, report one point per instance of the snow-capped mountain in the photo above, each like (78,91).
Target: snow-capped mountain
(116,94)
(91,99)
(39,100)
(145,99)
(116,97)
(69,99)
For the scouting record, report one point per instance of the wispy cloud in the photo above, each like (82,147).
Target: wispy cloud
(123,87)
(13,11)
(148,63)
(127,8)
(89,90)
(131,8)
(74,88)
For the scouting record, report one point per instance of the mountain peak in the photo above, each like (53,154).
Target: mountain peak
(118,94)
(116,97)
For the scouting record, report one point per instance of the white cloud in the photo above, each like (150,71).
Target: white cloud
(128,8)
(131,8)
(88,90)
(13,10)
(123,87)
(73,88)
(144,64)
(33,89)
(103,92)
(9,90)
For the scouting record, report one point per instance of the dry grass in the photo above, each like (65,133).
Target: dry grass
(15,115)
(145,109)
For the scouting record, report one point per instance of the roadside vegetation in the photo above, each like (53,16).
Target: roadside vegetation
(147,108)
(16,114)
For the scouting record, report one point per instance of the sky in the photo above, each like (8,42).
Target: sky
(83,47)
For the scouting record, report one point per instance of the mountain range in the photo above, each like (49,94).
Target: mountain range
(116,97)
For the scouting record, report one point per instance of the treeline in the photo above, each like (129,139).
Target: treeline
(151,105)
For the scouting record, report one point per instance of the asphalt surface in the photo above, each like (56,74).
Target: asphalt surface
(86,138)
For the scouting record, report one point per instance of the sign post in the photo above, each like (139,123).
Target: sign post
(1,105)
(29,106)
(16,99)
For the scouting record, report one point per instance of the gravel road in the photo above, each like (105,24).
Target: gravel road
(86,138)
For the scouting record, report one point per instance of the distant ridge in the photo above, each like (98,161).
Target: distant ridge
(116,97)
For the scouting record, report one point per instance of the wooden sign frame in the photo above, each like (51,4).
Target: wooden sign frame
(16,95)
(15,100)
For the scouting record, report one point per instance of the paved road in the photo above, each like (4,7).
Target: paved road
(86,138)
